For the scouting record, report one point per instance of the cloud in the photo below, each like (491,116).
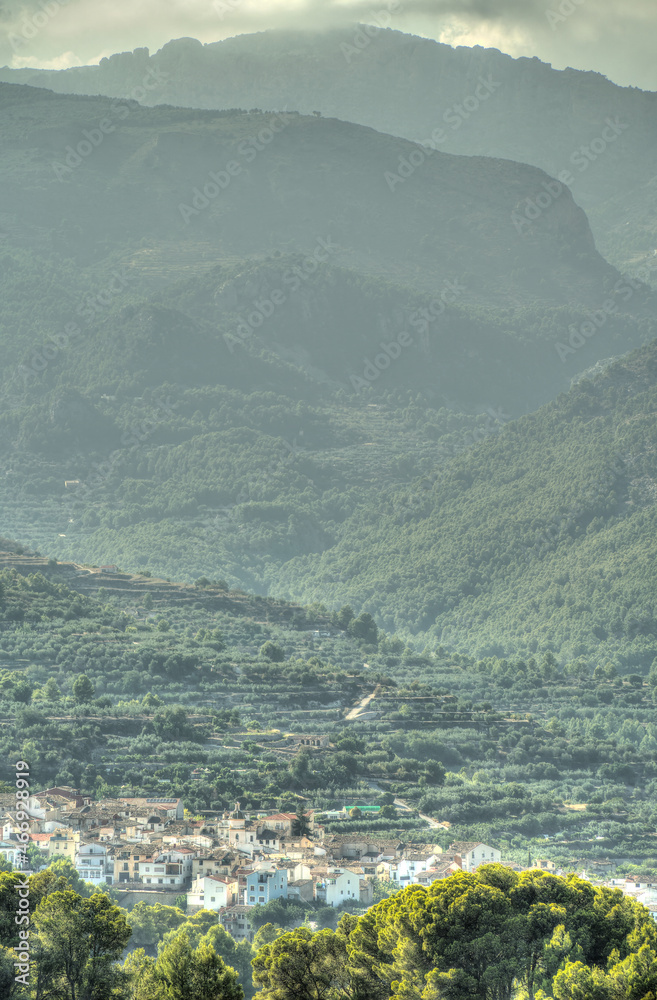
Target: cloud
(63,61)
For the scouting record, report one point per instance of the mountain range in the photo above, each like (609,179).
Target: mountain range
(474,101)
(326,362)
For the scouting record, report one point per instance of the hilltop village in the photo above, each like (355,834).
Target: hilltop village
(148,850)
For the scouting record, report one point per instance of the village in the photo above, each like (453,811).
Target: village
(147,849)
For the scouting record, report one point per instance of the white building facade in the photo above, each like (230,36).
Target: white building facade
(211,892)
(475,854)
(338,886)
(93,864)
(169,868)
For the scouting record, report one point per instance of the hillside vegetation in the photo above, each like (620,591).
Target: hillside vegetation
(247,388)
(539,538)
(112,681)
(491,935)
(483,102)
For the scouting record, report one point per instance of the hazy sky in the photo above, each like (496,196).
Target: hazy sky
(614,37)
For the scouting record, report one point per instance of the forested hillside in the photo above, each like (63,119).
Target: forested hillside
(539,538)
(478,101)
(114,681)
(238,383)
(328,487)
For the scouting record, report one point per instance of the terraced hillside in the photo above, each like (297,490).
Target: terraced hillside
(214,695)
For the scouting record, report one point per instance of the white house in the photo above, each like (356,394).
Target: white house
(473,853)
(93,865)
(12,852)
(218,863)
(406,872)
(211,892)
(280,823)
(235,920)
(268,839)
(173,867)
(339,885)
(241,833)
(243,839)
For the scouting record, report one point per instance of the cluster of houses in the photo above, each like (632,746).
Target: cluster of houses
(147,849)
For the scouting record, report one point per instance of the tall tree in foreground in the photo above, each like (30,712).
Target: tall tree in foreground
(301,965)
(489,935)
(78,943)
(195,974)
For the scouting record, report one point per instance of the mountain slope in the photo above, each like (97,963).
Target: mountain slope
(109,680)
(161,173)
(150,201)
(232,383)
(484,103)
(542,537)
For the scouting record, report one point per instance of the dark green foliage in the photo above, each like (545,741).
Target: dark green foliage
(272,652)
(484,936)
(254,460)
(83,689)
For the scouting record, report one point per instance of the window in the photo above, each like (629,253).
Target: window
(148,880)
(212,899)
